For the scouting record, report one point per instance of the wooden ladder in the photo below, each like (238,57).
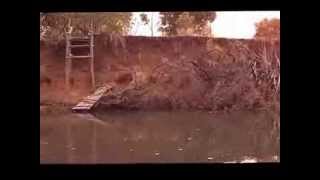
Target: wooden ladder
(79,42)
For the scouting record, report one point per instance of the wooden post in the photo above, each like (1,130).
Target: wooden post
(92,61)
(68,72)
(68,63)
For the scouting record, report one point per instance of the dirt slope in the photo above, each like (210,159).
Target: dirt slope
(178,72)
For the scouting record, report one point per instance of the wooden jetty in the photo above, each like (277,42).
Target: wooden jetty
(90,101)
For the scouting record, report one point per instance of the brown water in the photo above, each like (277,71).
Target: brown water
(157,137)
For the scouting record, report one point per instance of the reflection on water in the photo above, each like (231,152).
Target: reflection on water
(143,137)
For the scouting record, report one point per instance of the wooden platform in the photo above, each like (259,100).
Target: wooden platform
(90,101)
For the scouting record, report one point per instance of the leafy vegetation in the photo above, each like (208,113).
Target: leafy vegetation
(268,29)
(53,25)
(186,23)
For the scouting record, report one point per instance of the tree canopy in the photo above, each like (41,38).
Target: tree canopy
(181,23)
(268,29)
(53,25)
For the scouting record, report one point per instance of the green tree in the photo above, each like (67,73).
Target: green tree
(268,29)
(53,25)
(182,23)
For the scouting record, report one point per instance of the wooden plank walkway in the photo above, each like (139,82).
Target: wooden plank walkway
(88,102)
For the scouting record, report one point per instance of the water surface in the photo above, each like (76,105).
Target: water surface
(158,137)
